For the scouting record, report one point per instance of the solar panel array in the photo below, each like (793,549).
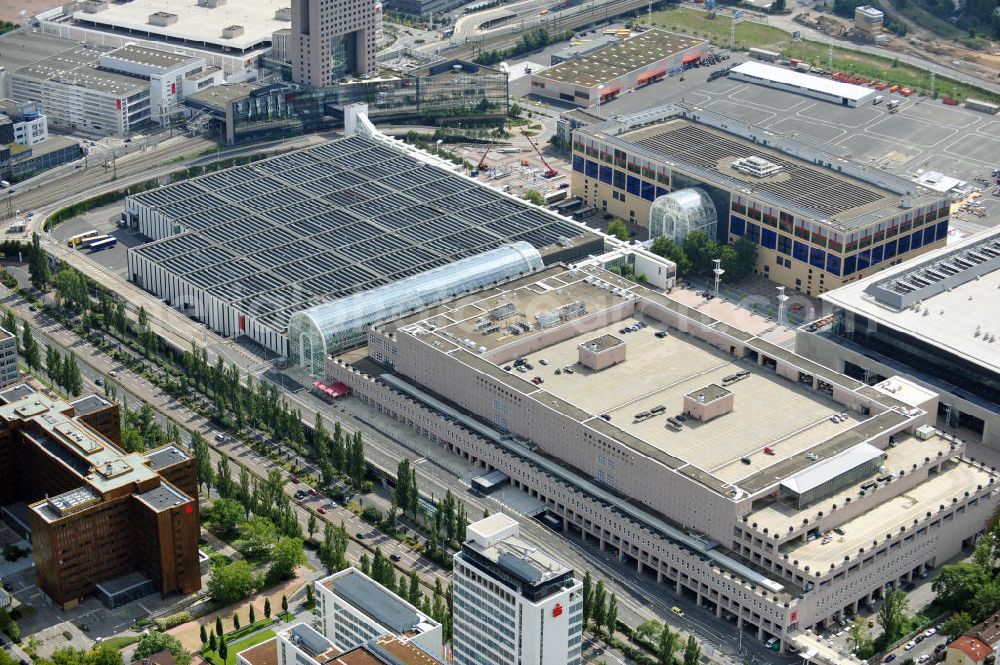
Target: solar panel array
(813,188)
(311,226)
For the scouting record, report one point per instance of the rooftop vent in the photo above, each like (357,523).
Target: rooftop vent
(162,19)
(211,4)
(231,31)
(757,167)
(93,6)
(283,14)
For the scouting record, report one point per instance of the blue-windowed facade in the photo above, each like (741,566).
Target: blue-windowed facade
(626,173)
(837,254)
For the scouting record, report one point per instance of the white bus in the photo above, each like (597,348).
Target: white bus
(81,237)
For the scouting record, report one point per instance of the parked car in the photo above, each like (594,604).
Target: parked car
(924,658)
(930,631)
(909,645)
(394,557)
(321,510)
(313,492)
(294,480)
(888,659)
(678,611)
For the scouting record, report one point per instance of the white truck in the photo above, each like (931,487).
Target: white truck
(878,99)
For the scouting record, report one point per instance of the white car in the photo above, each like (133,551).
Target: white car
(929,632)
(909,645)
(924,658)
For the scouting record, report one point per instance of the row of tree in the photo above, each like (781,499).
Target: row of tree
(600,613)
(695,255)
(971,589)
(340,453)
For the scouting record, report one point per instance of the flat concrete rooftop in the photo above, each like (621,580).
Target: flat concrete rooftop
(777,516)
(194,23)
(886,518)
(960,319)
(786,418)
(769,411)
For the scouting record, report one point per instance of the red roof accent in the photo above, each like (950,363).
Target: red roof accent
(652,75)
(335,390)
(691,57)
(974,648)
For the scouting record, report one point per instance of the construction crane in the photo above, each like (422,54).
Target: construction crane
(549,171)
(482,161)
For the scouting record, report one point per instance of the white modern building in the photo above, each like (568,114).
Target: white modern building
(171,76)
(513,603)
(296,645)
(8,357)
(76,94)
(782,78)
(352,609)
(230,36)
(932,319)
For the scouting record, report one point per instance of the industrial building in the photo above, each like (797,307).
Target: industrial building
(352,609)
(121,525)
(513,602)
(782,78)
(932,319)
(868,20)
(231,37)
(457,89)
(818,221)
(602,75)
(331,40)
(245,249)
(738,473)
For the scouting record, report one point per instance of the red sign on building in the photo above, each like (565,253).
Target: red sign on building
(557,610)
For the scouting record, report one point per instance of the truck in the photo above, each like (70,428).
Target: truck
(878,99)
(766,56)
(892,105)
(802,67)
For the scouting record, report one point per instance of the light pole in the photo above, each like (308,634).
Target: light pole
(718,271)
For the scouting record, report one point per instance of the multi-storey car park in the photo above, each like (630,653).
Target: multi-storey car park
(818,221)
(933,318)
(227,36)
(776,492)
(247,248)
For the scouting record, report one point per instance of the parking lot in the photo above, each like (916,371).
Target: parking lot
(104,220)
(924,135)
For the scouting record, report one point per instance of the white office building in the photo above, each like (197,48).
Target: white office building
(513,603)
(352,609)
(8,357)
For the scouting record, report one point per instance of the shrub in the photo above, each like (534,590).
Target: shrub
(168,622)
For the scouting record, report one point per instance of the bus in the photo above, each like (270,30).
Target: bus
(80,237)
(102,243)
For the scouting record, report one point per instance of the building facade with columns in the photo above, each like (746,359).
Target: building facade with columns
(809,494)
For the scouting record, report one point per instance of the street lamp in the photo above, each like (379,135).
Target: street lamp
(718,271)
(782,298)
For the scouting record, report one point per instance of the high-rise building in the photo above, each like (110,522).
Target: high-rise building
(513,603)
(332,39)
(101,520)
(8,357)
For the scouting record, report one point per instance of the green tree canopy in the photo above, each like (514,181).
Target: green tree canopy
(286,556)
(155,642)
(230,582)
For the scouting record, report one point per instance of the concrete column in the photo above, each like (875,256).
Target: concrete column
(718,609)
(697,599)
(739,621)
(760,633)
(677,585)
(638,564)
(659,574)
(601,539)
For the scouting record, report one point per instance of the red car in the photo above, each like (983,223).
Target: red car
(768,451)
(321,510)
(313,492)
(294,479)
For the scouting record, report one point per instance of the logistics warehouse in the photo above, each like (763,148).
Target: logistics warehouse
(245,249)
(818,221)
(602,75)
(711,459)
